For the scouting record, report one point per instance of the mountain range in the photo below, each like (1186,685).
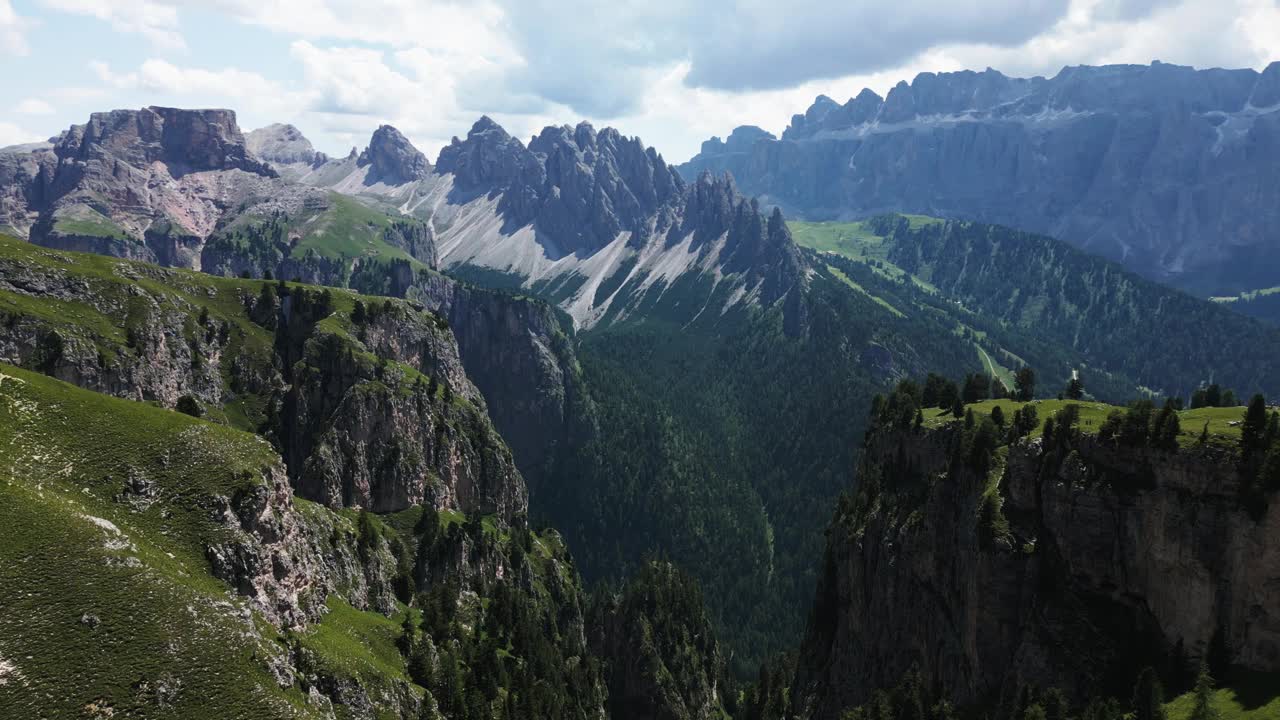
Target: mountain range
(1166,169)
(472,434)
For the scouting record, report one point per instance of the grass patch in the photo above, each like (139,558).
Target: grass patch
(878,300)
(357,643)
(1254,697)
(1094,414)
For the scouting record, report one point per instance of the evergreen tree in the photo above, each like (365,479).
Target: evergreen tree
(1148,697)
(957,407)
(358,314)
(1075,389)
(997,416)
(1025,384)
(1204,709)
(1253,431)
(977,387)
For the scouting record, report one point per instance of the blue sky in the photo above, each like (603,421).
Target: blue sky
(673,72)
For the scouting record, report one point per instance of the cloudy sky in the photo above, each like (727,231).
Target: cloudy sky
(673,72)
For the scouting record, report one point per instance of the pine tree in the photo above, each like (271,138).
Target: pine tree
(957,407)
(1025,384)
(1075,389)
(1253,431)
(1204,709)
(1148,697)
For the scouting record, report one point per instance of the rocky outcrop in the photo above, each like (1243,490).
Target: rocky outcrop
(1113,558)
(740,140)
(602,184)
(516,352)
(283,145)
(392,159)
(580,188)
(388,431)
(184,141)
(1160,167)
(266,556)
(147,184)
(167,349)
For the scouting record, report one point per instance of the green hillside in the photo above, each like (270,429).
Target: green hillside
(109,607)
(1056,308)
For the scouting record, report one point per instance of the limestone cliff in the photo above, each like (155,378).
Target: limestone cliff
(1113,558)
(1162,168)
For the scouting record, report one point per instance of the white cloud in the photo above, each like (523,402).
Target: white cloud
(672,71)
(13,29)
(457,26)
(11,134)
(33,106)
(161,76)
(155,20)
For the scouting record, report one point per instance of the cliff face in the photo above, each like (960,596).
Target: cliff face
(1160,167)
(147,184)
(1116,558)
(516,352)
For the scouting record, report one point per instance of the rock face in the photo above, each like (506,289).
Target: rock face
(283,144)
(579,187)
(392,159)
(601,225)
(149,184)
(1163,168)
(1116,558)
(169,354)
(519,357)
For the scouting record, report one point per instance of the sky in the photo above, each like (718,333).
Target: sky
(672,72)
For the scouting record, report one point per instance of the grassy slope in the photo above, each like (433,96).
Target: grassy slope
(114,281)
(1093,414)
(1254,697)
(857,241)
(346,228)
(164,621)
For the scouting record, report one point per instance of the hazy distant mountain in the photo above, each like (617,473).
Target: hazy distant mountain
(1170,170)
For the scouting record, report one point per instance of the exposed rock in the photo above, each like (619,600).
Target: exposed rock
(369,436)
(1160,167)
(392,159)
(284,145)
(740,140)
(515,351)
(1115,558)
(165,357)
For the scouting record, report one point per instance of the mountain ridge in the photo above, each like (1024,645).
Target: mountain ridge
(1164,168)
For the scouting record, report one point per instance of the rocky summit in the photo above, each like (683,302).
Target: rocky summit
(1164,168)
(282,144)
(392,159)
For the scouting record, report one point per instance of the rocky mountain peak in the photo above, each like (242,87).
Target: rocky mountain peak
(185,140)
(283,144)
(489,159)
(393,159)
(602,183)
(740,140)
